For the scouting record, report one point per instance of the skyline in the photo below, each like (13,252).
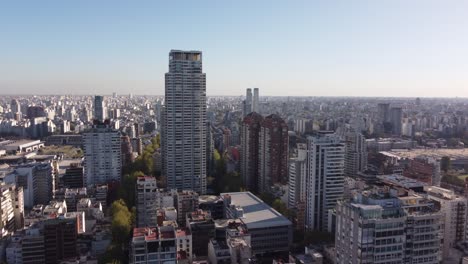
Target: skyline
(363,48)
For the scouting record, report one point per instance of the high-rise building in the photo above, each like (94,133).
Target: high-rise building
(273,153)
(396,117)
(356,153)
(102,155)
(99,108)
(297,176)
(146,201)
(255,102)
(325,181)
(15,106)
(184,128)
(250,132)
(379,228)
(247,103)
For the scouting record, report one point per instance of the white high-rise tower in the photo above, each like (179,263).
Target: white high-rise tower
(325,181)
(184,131)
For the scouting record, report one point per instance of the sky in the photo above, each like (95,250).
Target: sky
(286,48)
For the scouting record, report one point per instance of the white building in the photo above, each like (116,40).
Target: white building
(11,209)
(454,210)
(325,181)
(36,179)
(379,228)
(297,176)
(356,153)
(184,131)
(146,201)
(102,155)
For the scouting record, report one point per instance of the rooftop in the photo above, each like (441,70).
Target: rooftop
(436,153)
(148,233)
(401,181)
(257,214)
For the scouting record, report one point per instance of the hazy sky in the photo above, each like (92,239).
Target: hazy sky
(314,48)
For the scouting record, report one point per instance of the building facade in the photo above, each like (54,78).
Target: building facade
(102,155)
(325,181)
(250,133)
(273,153)
(184,128)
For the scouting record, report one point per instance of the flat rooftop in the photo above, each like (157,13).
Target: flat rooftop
(401,181)
(435,153)
(257,214)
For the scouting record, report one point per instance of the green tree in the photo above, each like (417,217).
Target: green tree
(445,164)
(121,225)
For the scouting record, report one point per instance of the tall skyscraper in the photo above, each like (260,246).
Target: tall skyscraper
(325,182)
(99,108)
(15,106)
(255,102)
(247,104)
(184,128)
(396,117)
(273,153)
(102,155)
(250,131)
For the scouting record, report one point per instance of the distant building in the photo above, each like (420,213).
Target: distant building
(255,101)
(102,155)
(273,153)
(356,153)
(396,118)
(35,111)
(99,108)
(247,103)
(64,140)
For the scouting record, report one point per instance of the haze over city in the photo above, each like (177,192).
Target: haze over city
(288,48)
